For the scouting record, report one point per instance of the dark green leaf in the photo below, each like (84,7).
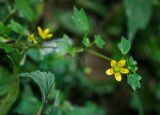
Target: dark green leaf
(16,27)
(138,13)
(134,81)
(96,6)
(9,89)
(99,41)
(64,18)
(124,46)
(28,99)
(24,9)
(6,47)
(2,28)
(88,109)
(136,103)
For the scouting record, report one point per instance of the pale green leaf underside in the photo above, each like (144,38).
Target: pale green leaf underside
(44,80)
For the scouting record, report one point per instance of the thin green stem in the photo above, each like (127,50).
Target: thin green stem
(98,55)
(81,50)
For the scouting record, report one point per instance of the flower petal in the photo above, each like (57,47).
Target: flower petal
(46,31)
(113,63)
(124,70)
(122,63)
(109,71)
(49,35)
(39,30)
(118,76)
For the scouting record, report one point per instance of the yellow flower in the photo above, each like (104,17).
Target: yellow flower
(31,38)
(117,69)
(44,34)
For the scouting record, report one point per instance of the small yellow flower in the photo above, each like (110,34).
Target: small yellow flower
(117,69)
(44,34)
(31,38)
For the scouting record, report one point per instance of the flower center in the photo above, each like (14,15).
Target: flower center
(116,69)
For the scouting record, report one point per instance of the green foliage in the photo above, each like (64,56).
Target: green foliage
(64,46)
(25,9)
(88,109)
(9,89)
(134,81)
(86,42)
(132,64)
(137,104)
(2,28)
(6,47)
(99,41)
(35,54)
(95,6)
(44,80)
(81,21)
(16,27)
(28,99)
(82,86)
(124,46)
(138,13)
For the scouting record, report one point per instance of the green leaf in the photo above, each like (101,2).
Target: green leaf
(64,18)
(99,41)
(96,6)
(7,48)
(44,80)
(134,81)
(35,54)
(88,109)
(28,99)
(136,103)
(86,42)
(132,64)
(9,89)
(25,9)
(80,19)
(16,27)
(2,28)
(124,46)
(64,46)
(72,51)
(138,13)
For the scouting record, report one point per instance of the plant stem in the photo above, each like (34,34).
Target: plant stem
(81,50)
(98,55)
(42,110)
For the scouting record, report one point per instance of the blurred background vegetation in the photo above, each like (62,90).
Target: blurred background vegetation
(84,87)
